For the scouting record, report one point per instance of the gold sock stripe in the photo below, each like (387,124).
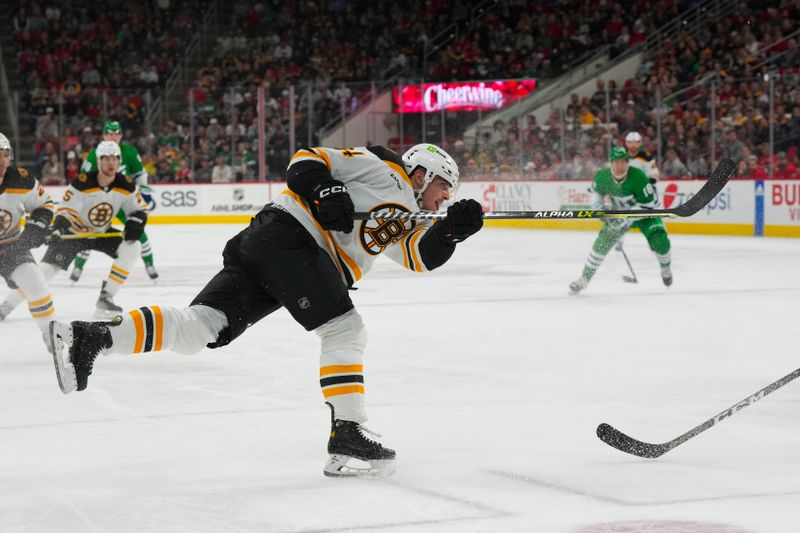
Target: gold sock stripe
(138,324)
(159,326)
(340,369)
(38,303)
(119,271)
(346,389)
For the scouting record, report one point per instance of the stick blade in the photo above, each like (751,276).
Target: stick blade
(619,440)
(718,179)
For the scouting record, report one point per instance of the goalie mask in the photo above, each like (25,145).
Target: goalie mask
(435,162)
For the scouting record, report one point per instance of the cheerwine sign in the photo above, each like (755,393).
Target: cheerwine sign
(460,96)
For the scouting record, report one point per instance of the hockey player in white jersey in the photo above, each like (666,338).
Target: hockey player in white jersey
(83,222)
(638,158)
(303,252)
(22,197)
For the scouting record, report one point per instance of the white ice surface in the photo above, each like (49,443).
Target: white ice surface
(485,377)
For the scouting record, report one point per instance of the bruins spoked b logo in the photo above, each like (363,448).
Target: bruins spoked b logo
(378,234)
(5,221)
(101,214)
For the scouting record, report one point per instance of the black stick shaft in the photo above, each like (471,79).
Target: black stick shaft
(630,267)
(710,189)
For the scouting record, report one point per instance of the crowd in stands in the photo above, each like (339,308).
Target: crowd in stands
(326,50)
(82,61)
(738,54)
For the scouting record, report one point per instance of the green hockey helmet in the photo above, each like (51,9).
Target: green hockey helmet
(112,126)
(618,152)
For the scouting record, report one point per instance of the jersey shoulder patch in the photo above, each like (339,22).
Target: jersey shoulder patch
(85,180)
(387,155)
(18,178)
(121,181)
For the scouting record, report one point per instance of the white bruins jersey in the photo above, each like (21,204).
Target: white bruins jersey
(645,164)
(91,208)
(20,194)
(376,180)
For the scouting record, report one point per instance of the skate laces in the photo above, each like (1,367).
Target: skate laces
(366,433)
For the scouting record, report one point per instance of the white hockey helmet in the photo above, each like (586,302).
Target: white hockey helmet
(107,148)
(435,161)
(633,137)
(5,144)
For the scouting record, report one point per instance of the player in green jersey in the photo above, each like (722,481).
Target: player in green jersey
(131,165)
(628,188)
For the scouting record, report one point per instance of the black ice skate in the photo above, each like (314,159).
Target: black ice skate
(666,275)
(349,443)
(74,347)
(105,306)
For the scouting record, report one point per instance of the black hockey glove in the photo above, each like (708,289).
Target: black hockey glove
(61,226)
(333,206)
(464,218)
(36,228)
(134,226)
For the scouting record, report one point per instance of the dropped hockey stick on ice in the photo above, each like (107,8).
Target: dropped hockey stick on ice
(710,188)
(619,440)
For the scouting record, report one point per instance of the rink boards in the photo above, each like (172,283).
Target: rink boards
(744,207)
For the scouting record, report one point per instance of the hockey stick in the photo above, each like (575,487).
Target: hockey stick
(619,440)
(632,278)
(71,236)
(710,188)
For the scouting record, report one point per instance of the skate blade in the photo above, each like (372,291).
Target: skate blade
(338,467)
(60,337)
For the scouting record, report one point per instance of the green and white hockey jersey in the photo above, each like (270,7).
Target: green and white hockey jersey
(130,164)
(634,192)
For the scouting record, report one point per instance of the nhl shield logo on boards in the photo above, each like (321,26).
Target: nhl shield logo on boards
(238,194)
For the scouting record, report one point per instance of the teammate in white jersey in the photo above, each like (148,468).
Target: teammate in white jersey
(21,196)
(638,158)
(303,252)
(85,212)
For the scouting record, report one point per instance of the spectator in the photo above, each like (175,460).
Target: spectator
(222,173)
(53,171)
(733,145)
(203,174)
(754,170)
(184,173)
(673,166)
(784,169)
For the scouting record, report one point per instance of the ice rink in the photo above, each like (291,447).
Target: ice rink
(485,376)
